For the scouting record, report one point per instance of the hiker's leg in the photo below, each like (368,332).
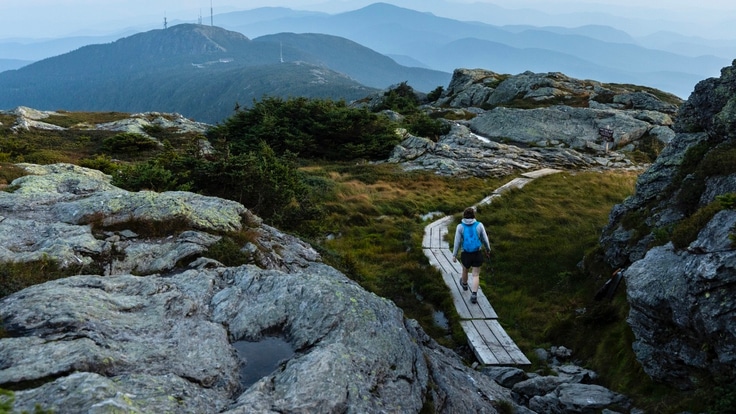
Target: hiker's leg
(476,279)
(464,275)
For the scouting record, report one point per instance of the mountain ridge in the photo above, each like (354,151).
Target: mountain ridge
(674,63)
(422,36)
(203,72)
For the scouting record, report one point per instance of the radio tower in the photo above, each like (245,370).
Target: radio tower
(212,18)
(165,23)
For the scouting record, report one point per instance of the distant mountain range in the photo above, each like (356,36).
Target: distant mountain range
(203,72)
(588,52)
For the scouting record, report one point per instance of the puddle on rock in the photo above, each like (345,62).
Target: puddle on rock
(261,358)
(441,320)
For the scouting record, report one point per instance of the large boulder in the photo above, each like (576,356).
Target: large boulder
(163,340)
(157,344)
(680,288)
(686,327)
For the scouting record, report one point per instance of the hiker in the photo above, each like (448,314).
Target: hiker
(471,235)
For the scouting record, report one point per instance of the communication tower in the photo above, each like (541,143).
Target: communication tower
(212,17)
(166,25)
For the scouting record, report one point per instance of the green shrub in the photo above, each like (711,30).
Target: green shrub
(228,252)
(150,175)
(101,162)
(6,401)
(435,94)
(420,124)
(128,143)
(45,156)
(401,99)
(727,201)
(16,148)
(9,172)
(686,231)
(309,128)
(18,276)
(720,160)
(153,129)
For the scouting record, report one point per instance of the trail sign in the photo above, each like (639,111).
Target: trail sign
(606,134)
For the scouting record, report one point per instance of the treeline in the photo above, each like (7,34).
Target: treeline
(256,153)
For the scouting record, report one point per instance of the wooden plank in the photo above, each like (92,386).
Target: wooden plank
(461,302)
(461,298)
(489,340)
(434,235)
(485,304)
(478,345)
(515,183)
(488,199)
(540,173)
(516,356)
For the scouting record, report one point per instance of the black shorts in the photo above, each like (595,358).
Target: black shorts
(471,259)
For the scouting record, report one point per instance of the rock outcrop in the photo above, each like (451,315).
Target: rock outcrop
(464,153)
(162,340)
(27,118)
(676,241)
(505,124)
(554,110)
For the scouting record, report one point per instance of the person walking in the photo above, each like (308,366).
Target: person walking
(472,236)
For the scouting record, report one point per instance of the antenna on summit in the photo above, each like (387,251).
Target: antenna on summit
(199,21)
(166,25)
(212,17)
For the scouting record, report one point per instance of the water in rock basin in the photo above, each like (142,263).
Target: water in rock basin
(261,358)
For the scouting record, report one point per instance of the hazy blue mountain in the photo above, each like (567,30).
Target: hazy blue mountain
(598,32)
(689,45)
(360,63)
(597,51)
(199,71)
(9,64)
(36,49)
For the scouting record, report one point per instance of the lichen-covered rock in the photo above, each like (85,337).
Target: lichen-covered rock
(156,344)
(553,110)
(464,153)
(51,213)
(680,294)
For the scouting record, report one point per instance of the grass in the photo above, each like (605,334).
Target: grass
(538,235)
(374,214)
(8,173)
(18,276)
(546,273)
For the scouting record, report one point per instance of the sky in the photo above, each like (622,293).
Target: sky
(37,19)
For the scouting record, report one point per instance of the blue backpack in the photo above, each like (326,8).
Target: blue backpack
(471,242)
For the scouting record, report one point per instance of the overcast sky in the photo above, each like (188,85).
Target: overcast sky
(54,18)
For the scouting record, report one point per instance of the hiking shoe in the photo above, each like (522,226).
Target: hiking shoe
(474,297)
(464,285)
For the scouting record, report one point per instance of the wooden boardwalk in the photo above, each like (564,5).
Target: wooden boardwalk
(489,341)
